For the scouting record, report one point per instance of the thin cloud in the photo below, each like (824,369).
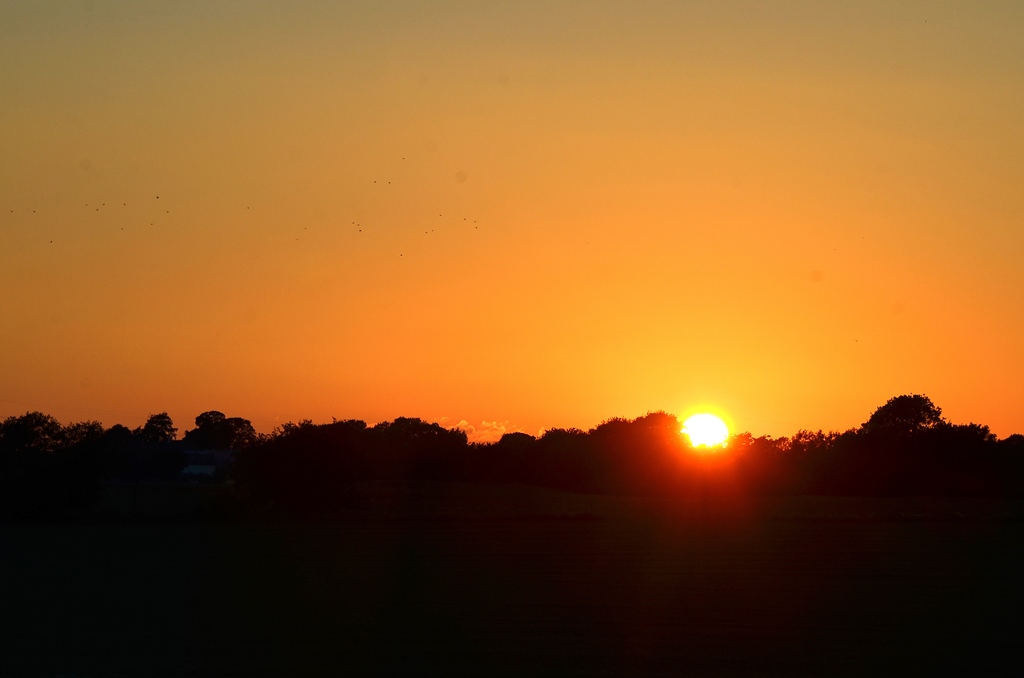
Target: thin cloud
(486,431)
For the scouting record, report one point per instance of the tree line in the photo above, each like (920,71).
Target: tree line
(48,468)
(905,447)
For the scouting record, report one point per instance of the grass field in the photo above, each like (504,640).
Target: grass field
(451,580)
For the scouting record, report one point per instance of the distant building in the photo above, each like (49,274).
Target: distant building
(206,463)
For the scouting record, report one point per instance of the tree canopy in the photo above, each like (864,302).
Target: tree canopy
(904,415)
(904,448)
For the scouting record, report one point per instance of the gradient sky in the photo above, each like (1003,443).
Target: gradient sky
(518,215)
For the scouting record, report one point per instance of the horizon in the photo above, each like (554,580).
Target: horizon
(521,217)
(492,432)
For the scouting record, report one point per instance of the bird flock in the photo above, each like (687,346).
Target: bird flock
(158,208)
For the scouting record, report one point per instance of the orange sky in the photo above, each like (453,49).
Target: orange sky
(569,211)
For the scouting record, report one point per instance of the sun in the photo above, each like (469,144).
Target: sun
(706,430)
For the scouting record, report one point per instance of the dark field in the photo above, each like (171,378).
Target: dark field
(499,580)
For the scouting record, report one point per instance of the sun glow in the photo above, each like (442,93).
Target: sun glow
(706,430)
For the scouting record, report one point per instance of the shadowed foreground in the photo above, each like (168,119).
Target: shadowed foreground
(464,580)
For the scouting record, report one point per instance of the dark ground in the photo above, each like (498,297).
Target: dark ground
(452,580)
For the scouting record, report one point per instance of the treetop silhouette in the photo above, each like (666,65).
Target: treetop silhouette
(904,448)
(904,415)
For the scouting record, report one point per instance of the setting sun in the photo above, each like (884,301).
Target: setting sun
(705,430)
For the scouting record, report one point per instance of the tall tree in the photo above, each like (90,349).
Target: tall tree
(904,415)
(214,431)
(158,429)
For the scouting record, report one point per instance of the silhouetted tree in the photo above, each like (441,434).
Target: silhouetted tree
(158,429)
(306,467)
(120,452)
(214,431)
(412,448)
(31,432)
(563,461)
(46,467)
(509,460)
(640,456)
(904,448)
(1013,443)
(766,465)
(903,416)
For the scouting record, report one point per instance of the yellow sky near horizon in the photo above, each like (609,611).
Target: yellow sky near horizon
(535,214)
